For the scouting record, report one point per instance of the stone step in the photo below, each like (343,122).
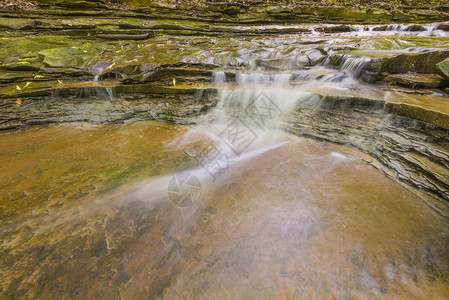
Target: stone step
(417,80)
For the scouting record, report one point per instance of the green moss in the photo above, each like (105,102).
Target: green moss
(73,57)
(443,68)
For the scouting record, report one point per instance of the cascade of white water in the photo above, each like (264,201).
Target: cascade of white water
(354,65)
(261,101)
(219,78)
(96,92)
(245,123)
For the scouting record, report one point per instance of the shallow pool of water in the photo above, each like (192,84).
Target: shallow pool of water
(87,213)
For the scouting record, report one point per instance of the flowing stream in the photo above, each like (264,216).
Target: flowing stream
(271,176)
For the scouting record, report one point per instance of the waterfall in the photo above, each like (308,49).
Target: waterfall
(246,122)
(400,30)
(219,78)
(96,92)
(110,91)
(361,28)
(352,66)
(416,29)
(260,101)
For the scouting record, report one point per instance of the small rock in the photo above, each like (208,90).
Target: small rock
(444,27)
(380,28)
(416,28)
(338,28)
(443,68)
(367,160)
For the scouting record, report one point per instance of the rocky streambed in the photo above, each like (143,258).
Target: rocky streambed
(102,71)
(135,81)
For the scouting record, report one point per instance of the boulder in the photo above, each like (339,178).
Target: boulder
(401,16)
(416,27)
(379,15)
(380,28)
(424,62)
(444,27)
(443,68)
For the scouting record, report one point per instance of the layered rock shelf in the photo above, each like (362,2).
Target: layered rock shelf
(255,13)
(120,175)
(381,87)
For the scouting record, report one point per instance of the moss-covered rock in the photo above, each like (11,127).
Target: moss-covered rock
(73,57)
(257,12)
(75,4)
(377,15)
(343,13)
(424,62)
(17,24)
(443,68)
(25,64)
(402,16)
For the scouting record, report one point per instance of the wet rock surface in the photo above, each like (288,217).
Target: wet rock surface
(416,62)
(53,78)
(69,77)
(416,80)
(260,12)
(410,150)
(443,68)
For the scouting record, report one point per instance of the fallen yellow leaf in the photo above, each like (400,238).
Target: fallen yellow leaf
(19,101)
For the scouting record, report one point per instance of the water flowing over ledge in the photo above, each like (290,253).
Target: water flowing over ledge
(196,159)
